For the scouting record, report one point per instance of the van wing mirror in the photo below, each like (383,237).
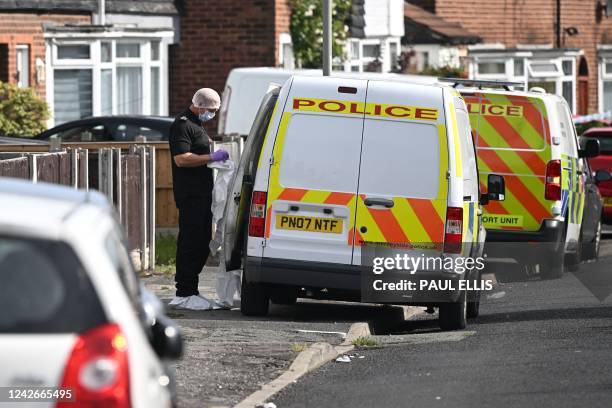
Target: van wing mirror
(496,189)
(591,149)
(602,175)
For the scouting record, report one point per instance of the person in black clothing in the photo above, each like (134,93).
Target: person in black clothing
(193,183)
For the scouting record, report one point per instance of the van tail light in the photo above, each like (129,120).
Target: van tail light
(257,220)
(97,371)
(453,235)
(552,186)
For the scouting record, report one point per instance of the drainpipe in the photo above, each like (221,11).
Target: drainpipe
(558,25)
(101,12)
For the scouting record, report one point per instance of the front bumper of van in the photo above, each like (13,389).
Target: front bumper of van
(342,279)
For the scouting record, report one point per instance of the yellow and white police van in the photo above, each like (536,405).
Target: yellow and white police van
(333,165)
(529,138)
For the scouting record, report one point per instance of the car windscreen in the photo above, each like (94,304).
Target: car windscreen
(45,289)
(605,142)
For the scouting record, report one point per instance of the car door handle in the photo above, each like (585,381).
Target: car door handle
(383,202)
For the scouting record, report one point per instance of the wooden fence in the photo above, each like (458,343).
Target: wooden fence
(126,177)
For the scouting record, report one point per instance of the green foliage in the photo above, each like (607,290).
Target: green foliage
(22,113)
(445,72)
(306,27)
(165,249)
(365,341)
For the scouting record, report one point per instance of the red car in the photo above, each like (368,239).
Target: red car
(604,162)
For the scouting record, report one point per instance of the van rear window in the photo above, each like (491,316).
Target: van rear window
(501,122)
(321,153)
(400,158)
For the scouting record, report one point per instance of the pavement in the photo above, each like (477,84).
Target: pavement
(229,356)
(544,343)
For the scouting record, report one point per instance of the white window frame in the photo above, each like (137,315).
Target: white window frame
(19,64)
(72,61)
(95,64)
(603,78)
(545,74)
(558,78)
(284,39)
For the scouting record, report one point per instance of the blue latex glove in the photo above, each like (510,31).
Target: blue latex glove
(219,155)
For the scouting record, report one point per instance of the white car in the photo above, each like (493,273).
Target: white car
(72,313)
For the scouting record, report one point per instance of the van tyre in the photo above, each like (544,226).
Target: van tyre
(572,261)
(590,250)
(254,298)
(473,307)
(553,266)
(287,299)
(453,316)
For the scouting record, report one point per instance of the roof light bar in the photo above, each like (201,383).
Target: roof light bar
(481,83)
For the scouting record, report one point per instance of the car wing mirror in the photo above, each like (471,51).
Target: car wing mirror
(591,149)
(167,338)
(602,175)
(496,189)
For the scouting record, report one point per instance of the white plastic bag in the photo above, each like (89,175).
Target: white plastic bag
(228,282)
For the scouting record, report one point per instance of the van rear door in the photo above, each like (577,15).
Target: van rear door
(236,211)
(403,190)
(512,139)
(314,171)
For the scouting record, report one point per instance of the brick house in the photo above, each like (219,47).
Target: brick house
(522,42)
(84,64)
(216,37)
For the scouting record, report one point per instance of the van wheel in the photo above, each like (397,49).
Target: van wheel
(283,298)
(473,307)
(553,266)
(453,316)
(572,260)
(254,298)
(590,250)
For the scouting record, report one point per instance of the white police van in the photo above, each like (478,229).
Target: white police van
(333,165)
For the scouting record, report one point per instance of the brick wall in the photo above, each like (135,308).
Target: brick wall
(513,22)
(219,36)
(26,29)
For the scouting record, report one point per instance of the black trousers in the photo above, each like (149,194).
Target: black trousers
(195,230)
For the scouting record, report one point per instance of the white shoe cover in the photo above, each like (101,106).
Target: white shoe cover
(194,302)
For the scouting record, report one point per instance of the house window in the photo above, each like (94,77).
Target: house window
(106,51)
(354,50)
(23,66)
(155,91)
(154,50)
(519,67)
(129,90)
(556,76)
(544,69)
(493,67)
(72,96)
(128,50)
(393,55)
(74,51)
(112,76)
(371,50)
(106,92)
